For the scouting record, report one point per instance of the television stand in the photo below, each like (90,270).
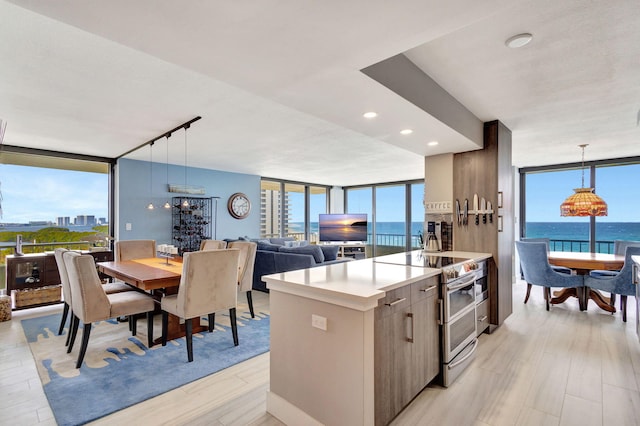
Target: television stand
(353,250)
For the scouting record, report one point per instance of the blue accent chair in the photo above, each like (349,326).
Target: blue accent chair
(621,283)
(619,248)
(534,262)
(561,269)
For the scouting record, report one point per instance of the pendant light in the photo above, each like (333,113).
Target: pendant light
(584,202)
(185,204)
(150,206)
(167,205)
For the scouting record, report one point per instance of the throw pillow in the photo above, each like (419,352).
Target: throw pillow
(266,246)
(280,241)
(315,251)
(292,243)
(330,252)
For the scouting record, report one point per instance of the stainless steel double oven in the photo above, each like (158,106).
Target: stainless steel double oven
(461,286)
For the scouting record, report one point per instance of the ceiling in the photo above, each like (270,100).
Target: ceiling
(280,89)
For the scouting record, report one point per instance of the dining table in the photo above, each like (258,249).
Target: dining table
(156,275)
(583,263)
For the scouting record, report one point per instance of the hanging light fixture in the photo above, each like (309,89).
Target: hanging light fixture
(150,206)
(166,204)
(584,202)
(185,203)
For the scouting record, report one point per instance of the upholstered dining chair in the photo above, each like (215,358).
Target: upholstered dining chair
(246,264)
(561,269)
(109,288)
(91,304)
(621,283)
(537,270)
(213,244)
(134,249)
(208,284)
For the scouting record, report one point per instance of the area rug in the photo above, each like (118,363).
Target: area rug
(120,370)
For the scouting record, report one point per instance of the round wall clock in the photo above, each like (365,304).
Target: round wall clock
(239,205)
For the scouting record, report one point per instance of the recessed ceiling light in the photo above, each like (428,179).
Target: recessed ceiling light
(518,40)
(433,143)
(370,114)
(406,131)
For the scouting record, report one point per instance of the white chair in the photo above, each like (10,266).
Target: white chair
(134,249)
(246,265)
(208,284)
(91,304)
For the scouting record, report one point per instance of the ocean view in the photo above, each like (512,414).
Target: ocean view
(605,231)
(392,233)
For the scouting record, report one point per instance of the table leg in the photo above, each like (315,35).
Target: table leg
(600,300)
(560,296)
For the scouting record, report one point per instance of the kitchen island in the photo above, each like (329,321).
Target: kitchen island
(331,341)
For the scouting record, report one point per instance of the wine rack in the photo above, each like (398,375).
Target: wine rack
(191,222)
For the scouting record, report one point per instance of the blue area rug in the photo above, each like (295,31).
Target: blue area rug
(120,371)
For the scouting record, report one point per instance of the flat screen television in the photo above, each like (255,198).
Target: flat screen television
(343,227)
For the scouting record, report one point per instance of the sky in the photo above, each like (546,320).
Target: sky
(36,194)
(618,186)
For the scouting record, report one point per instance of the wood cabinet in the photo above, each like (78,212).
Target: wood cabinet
(488,173)
(39,270)
(406,346)
(354,251)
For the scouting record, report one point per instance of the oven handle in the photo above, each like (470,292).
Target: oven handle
(396,302)
(457,363)
(463,284)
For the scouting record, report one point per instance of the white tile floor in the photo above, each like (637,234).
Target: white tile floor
(562,367)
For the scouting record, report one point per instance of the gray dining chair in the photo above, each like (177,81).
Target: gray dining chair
(536,269)
(109,288)
(246,264)
(91,304)
(134,249)
(208,284)
(621,283)
(213,244)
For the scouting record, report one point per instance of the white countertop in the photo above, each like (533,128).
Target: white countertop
(356,284)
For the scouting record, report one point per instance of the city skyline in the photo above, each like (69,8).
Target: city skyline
(32,194)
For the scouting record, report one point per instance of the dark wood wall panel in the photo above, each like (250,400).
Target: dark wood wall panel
(487,172)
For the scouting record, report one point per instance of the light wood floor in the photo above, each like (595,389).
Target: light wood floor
(562,367)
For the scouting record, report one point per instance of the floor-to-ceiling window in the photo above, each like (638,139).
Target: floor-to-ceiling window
(52,200)
(360,201)
(417,214)
(318,204)
(390,224)
(395,214)
(291,209)
(543,189)
(270,208)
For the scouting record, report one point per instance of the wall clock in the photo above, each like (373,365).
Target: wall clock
(239,205)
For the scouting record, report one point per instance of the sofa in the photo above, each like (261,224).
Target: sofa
(276,255)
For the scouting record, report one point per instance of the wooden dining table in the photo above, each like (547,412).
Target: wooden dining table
(157,276)
(583,263)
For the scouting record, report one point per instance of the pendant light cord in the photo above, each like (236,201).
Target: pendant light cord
(583,146)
